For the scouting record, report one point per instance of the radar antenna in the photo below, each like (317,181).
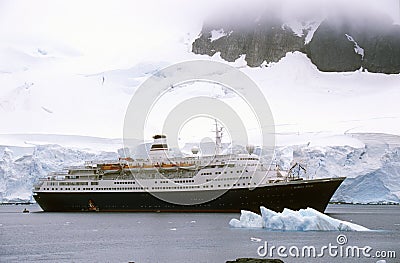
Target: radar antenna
(218,138)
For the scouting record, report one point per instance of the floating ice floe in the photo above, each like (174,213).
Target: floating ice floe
(289,220)
(255,239)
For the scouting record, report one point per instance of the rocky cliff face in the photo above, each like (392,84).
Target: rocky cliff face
(344,44)
(339,44)
(265,40)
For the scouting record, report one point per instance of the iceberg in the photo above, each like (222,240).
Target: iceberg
(289,220)
(247,220)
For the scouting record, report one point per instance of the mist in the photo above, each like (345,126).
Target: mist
(117,27)
(243,14)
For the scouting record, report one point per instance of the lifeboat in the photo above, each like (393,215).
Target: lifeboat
(132,168)
(110,168)
(128,159)
(168,167)
(187,166)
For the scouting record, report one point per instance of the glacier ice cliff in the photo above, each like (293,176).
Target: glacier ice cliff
(372,170)
(18,174)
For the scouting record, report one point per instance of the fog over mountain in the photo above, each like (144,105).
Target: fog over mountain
(337,37)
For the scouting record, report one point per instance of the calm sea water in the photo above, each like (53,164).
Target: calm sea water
(177,237)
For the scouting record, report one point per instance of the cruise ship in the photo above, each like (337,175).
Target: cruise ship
(194,183)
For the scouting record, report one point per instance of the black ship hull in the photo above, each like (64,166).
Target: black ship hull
(294,195)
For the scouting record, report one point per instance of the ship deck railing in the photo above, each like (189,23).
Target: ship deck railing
(96,162)
(58,173)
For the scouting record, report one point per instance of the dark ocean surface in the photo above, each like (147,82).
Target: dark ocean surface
(183,237)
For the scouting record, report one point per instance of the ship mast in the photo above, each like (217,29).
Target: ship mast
(218,138)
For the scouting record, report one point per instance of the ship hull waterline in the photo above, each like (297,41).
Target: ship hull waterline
(294,195)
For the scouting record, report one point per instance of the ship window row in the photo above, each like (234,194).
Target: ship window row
(73,183)
(242,184)
(183,181)
(175,187)
(122,188)
(73,189)
(130,182)
(221,172)
(238,184)
(99,189)
(177,182)
(228,179)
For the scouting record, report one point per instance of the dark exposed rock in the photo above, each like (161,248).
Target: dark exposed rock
(382,50)
(266,40)
(255,260)
(332,47)
(331,50)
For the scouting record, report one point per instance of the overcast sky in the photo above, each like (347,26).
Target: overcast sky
(130,29)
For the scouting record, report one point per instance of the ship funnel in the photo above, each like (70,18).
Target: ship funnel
(160,143)
(159,148)
(250,149)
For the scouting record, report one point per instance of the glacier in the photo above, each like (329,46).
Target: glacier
(370,162)
(18,173)
(303,220)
